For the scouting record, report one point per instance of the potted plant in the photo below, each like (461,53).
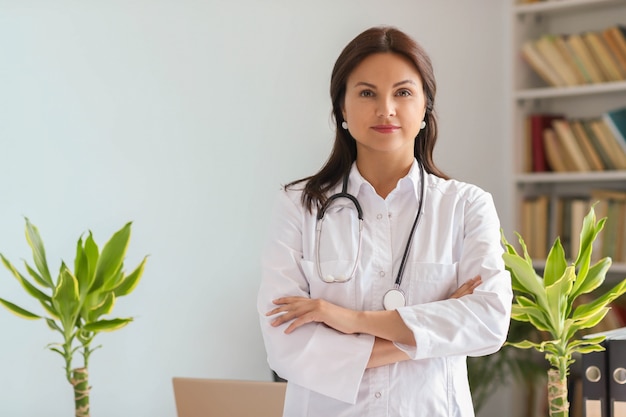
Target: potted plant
(549,303)
(76,303)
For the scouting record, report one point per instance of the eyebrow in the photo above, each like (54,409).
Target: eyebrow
(363,83)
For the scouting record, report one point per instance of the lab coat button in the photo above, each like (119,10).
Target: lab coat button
(378,395)
(379,216)
(382,274)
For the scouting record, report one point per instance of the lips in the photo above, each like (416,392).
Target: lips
(385,128)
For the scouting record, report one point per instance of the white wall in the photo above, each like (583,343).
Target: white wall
(186,116)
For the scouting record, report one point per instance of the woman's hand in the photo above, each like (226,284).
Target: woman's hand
(303,310)
(384,324)
(468,287)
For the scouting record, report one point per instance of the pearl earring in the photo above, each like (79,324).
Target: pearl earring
(344,124)
(423,125)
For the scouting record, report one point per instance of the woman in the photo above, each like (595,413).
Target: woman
(379,321)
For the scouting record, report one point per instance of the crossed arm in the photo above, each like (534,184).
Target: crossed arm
(387,326)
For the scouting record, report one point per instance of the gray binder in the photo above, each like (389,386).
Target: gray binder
(604,377)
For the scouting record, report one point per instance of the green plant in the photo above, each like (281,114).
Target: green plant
(549,304)
(77,301)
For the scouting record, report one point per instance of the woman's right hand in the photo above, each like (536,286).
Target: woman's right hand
(467,287)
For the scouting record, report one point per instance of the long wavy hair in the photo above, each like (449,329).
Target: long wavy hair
(375,40)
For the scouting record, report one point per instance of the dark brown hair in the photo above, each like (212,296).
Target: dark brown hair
(375,40)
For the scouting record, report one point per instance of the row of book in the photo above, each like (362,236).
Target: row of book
(554,143)
(591,57)
(543,218)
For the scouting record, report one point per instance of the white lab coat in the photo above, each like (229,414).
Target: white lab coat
(458,237)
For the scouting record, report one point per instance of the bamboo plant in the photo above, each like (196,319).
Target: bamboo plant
(77,302)
(549,304)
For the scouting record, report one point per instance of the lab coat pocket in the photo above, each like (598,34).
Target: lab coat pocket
(340,293)
(431,282)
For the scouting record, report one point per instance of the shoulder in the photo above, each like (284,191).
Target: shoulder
(458,190)
(291,195)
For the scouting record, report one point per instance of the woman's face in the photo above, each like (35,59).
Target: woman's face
(384,104)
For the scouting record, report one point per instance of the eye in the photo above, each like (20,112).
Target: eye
(404,93)
(366,93)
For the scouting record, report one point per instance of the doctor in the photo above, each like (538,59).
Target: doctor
(381,275)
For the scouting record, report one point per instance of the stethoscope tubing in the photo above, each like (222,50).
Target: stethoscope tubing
(344,194)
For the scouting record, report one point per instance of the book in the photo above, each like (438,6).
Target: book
(591,153)
(608,142)
(551,54)
(612,205)
(570,146)
(579,70)
(603,152)
(537,123)
(583,55)
(603,56)
(622,257)
(617,143)
(610,37)
(563,220)
(540,66)
(540,226)
(621,236)
(527,162)
(579,208)
(534,227)
(554,153)
(616,121)
(619,35)
(601,209)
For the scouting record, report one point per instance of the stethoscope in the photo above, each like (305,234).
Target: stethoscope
(393,298)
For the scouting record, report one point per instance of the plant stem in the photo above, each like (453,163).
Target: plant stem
(80,381)
(557,389)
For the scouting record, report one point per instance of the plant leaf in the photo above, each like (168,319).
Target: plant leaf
(57,350)
(50,309)
(590,341)
(595,277)
(36,276)
(527,279)
(19,311)
(103,309)
(592,307)
(53,325)
(558,296)
(81,269)
(535,315)
(588,349)
(39,253)
(114,280)
(30,288)
(66,299)
(555,263)
(106,325)
(93,254)
(112,257)
(592,320)
(131,281)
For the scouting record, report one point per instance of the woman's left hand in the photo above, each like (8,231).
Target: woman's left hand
(303,310)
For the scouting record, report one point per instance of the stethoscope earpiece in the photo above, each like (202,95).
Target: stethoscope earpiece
(328,278)
(339,278)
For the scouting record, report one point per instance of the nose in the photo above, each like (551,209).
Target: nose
(386,108)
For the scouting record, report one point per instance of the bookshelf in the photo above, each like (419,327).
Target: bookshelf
(533,93)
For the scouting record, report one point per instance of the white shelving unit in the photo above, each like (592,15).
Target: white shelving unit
(530,94)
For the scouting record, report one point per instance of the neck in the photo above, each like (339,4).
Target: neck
(383,173)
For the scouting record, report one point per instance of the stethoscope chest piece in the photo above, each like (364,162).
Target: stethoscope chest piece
(394,299)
